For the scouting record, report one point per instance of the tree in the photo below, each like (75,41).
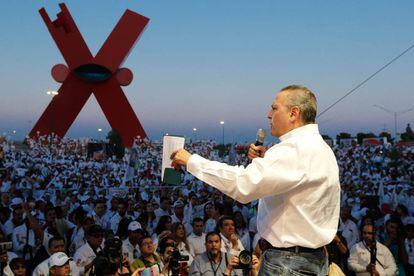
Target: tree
(326,137)
(115,143)
(343,135)
(361,136)
(386,134)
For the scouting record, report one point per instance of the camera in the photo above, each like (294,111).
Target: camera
(110,258)
(178,262)
(245,260)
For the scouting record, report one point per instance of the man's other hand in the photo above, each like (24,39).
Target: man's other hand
(180,158)
(256,151)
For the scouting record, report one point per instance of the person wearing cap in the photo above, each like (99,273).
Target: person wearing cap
(16,202)
(56,246)
(87,253)
(59,264)
(130,247)
(296,182)
(178,215)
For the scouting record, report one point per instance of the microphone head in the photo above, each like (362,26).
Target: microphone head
(261,135)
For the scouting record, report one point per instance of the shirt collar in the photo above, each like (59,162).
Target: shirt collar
(306,129)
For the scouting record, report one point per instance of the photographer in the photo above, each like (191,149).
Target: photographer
(166,249)
(369,257)
(214,262)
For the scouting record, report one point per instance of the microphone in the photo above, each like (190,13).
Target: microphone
(373,252)
(261,135)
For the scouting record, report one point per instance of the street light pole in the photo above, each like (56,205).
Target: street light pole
(52,127)
(222,124)
(195,134)
(395,114)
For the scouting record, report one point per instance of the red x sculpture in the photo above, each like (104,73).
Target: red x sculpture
(86,74)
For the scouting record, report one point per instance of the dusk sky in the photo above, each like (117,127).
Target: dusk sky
(200,62)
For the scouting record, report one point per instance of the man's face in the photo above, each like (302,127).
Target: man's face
(134,236)
(122,208)
(228,228)
(165,204)
(368,234)
(100,209)
(63,270)
(392,229)
(18,215)
(345,213)
(198,228)
(213,244)
(179,210)
(167,253)
(95,240)
(51,217)
(57,246)
(279,115)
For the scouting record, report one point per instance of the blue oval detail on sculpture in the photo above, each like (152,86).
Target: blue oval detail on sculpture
(93,72)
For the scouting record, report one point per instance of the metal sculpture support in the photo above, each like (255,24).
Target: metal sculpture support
(86,74)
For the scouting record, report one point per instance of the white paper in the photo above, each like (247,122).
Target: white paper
(170,144)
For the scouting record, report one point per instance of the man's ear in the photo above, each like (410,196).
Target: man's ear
(294,114)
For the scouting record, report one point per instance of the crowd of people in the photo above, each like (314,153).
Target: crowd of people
(64,211)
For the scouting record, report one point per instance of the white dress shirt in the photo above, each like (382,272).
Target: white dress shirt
(84,256)
(19,238)
(197,243)
(297,183)
(129,251)
(360,257)
(350,232)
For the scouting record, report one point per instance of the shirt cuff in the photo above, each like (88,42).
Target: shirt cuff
(193,163)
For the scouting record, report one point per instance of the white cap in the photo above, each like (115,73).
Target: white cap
(134,226)
(58,259)
(16,201)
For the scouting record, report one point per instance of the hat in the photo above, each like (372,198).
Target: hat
(58,259)
(94,229)
(134,226)
(16,201)
(178,203)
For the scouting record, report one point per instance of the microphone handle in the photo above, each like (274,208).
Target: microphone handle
(258,143)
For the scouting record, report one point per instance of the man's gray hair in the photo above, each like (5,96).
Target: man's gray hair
(305,100)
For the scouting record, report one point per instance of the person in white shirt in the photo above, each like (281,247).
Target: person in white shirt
(87,253)
(296,180)
(130,247)
(178,215)
(165,208)
(409,247)
(24,242)
(122,209)
(98,214)
(348,227)
(15,220)
(197,238)
(56,245)
(359,260)
(230,243)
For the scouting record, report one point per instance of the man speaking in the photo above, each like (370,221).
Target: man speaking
(297,182)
